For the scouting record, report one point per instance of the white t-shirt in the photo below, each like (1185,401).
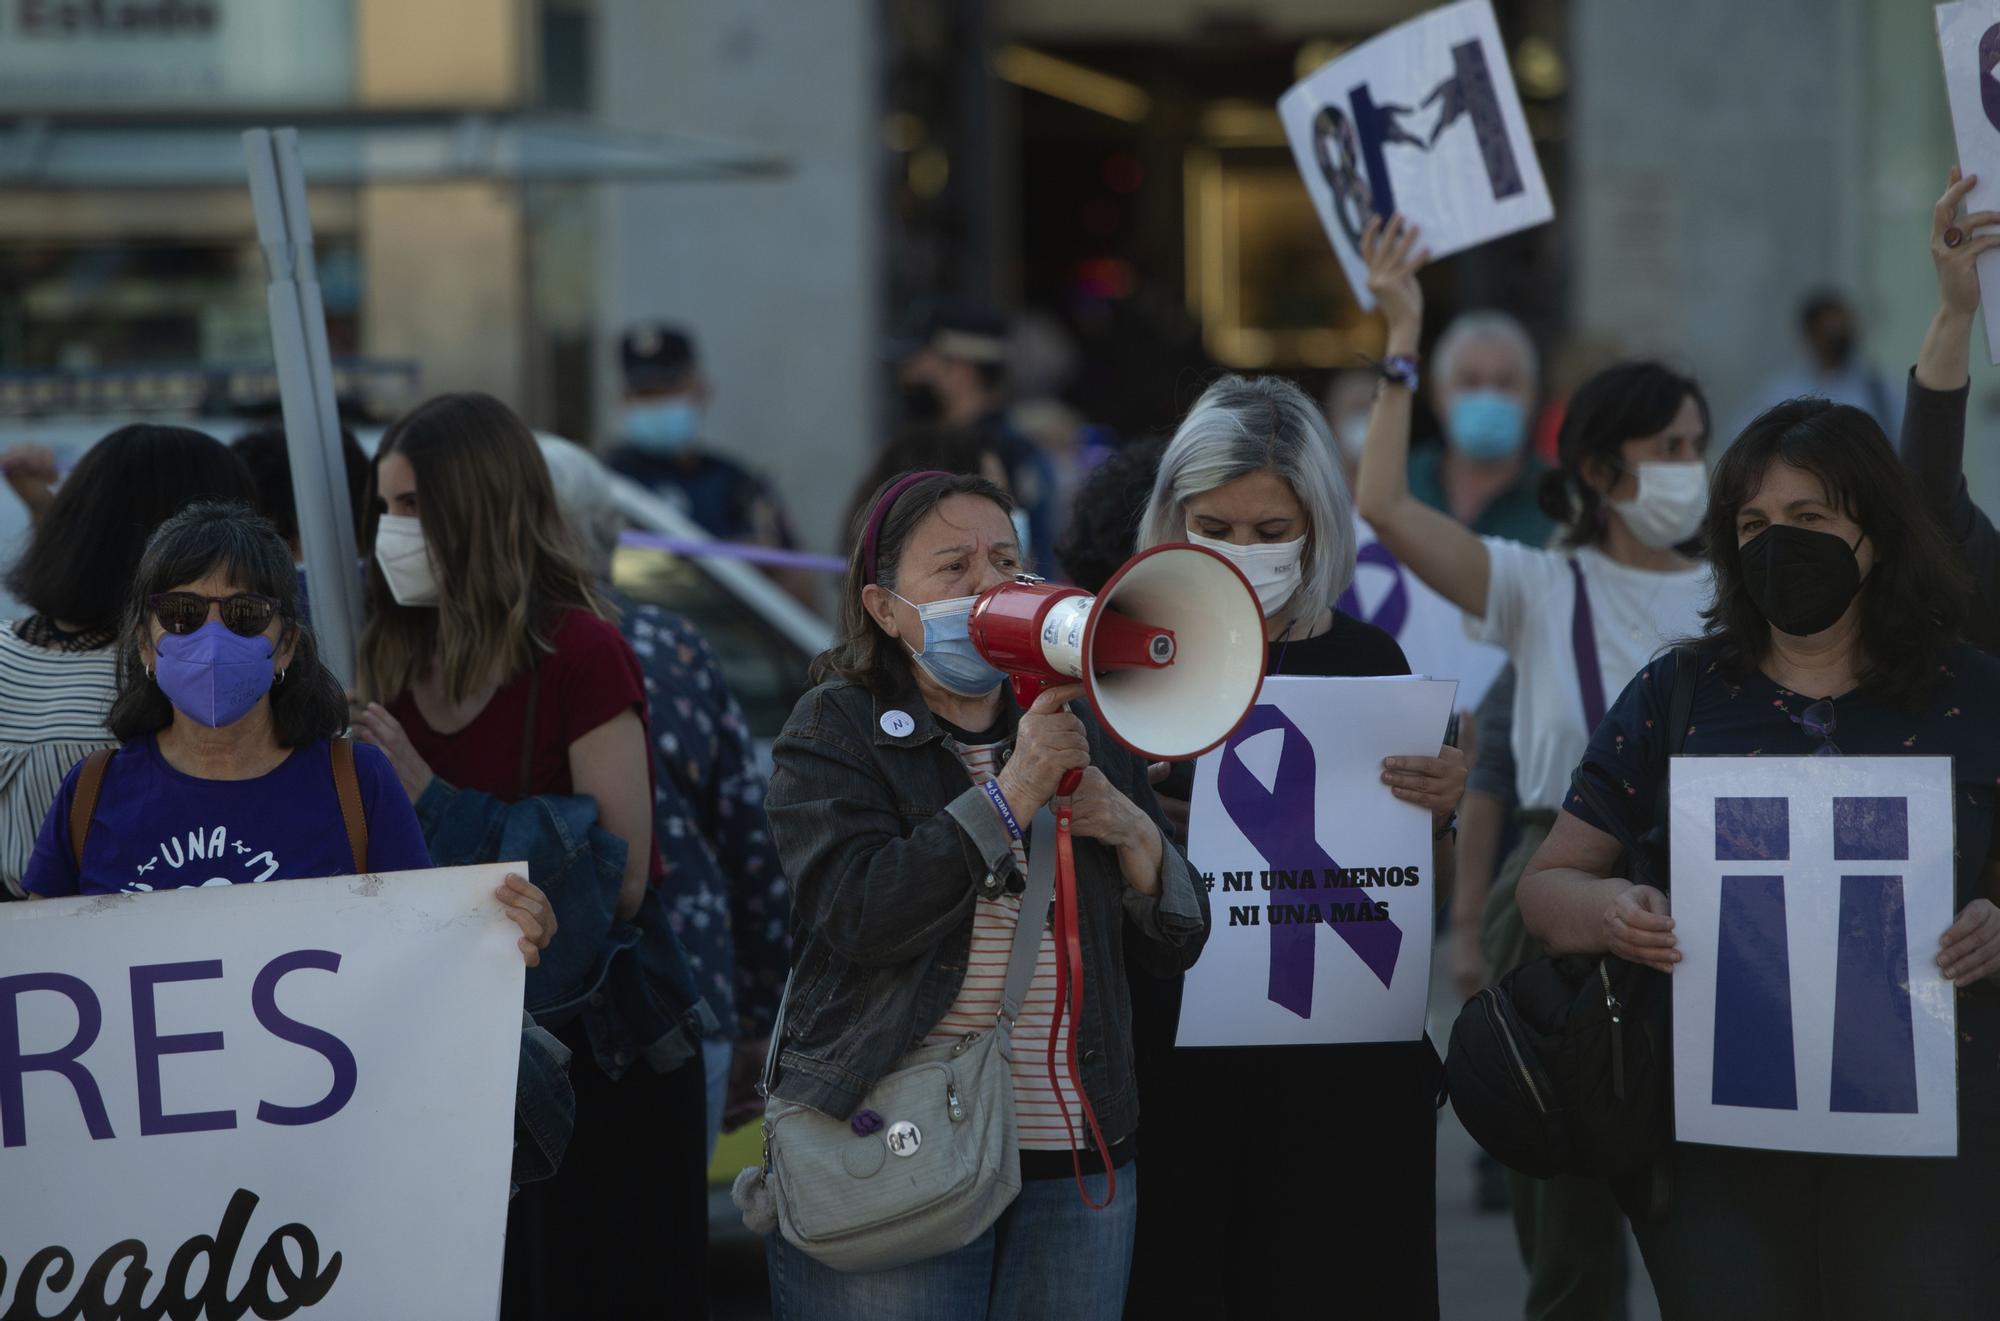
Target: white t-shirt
(1530,603)
(1425,625)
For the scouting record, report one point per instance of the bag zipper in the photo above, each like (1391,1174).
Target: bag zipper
(1506,1036)
(951,1100)
(1616,1010)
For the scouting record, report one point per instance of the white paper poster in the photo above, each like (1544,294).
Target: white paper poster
(276,1100)
(1429,629)
(1809,894)
(1969,42)
(1424,120)
(1319,879)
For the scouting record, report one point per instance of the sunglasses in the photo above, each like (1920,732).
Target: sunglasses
(1817,720)
(245,614)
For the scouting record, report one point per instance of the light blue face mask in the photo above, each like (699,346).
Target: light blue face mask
(1486,425)
(663,426)
(948,655)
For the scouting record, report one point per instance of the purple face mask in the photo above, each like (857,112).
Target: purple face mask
(214,676)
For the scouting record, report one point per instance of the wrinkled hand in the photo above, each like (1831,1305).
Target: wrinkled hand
(531,911)
(1049,743)
(1394,259)
(31,471)
(1639,926)
(374,724)
(1436,783)
(746,1068)
(1971,949)
(1099,811)
(1175,810)
(1957,267)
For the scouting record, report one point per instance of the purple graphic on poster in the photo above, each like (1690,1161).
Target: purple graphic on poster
(1395,609)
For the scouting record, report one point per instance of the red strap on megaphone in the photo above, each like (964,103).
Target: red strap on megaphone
(1069,995)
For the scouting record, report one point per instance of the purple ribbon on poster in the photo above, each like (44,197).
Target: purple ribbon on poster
(774,556)
(1280,824)
(1395,609)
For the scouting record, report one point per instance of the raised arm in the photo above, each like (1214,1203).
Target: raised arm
(1933,440)
(1436,547)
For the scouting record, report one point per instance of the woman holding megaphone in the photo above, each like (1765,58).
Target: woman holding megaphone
(904,798)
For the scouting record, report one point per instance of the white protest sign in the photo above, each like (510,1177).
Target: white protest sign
(1809,894)
(1319,879)
(281,1099)
(1429,629)
(1424,120)
(1969,42)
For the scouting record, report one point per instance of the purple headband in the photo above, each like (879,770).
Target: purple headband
(881,512)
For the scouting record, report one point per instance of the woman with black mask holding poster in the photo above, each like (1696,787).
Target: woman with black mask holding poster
(1249,474)
(1574,620)
(1834,632)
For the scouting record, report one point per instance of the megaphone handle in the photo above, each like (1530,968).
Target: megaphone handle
(1069,999)
(1066,787)
(1027,688)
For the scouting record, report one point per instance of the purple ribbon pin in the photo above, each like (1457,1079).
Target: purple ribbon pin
(1395,609)
(865,1122)
(1279,823)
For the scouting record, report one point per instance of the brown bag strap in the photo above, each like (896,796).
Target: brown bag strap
(347,786)
(527,776)
(83,808)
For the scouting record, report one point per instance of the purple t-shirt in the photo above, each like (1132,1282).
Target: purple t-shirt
(157,828)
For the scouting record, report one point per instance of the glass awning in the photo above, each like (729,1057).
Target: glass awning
(345,150)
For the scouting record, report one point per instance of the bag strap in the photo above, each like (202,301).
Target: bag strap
(1680,704)
(1583,641)
(527,775)
(347,787)
(83,807)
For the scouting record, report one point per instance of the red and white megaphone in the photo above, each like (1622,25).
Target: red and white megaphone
(1170,653)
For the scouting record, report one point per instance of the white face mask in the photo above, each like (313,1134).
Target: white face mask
(1275,570)
(406,560)
(1672,501)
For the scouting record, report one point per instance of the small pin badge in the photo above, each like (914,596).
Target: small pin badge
(898,724)
(904,1138)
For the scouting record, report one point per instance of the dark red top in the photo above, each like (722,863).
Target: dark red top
(589,679)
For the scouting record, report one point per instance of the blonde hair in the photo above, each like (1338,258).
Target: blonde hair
(506,562)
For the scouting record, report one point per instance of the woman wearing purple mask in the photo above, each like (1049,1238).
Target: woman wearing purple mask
(230,769)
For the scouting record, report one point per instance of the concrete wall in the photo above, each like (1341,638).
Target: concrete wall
(778,278)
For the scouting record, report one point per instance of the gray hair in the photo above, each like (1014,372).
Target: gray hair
(1241,426)
(585,500)
(1484,325)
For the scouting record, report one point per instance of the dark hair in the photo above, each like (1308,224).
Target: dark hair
(263,452)
(914,447)
(1621,403)
(1103,528)
(865,654)
(209,537)
(1915,598)
(86,548)
(1818,303)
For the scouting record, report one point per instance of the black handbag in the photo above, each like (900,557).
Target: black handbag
(1565,1065)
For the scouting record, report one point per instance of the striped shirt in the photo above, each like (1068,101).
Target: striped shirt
(53,705)
(1037,1114)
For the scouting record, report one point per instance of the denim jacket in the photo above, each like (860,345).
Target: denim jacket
(628,981)
(888,846)
(544,1105)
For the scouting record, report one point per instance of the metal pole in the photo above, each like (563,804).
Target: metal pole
(329,568)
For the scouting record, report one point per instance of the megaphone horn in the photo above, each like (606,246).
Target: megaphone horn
(1170,652)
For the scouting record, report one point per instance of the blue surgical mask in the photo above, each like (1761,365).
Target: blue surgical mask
(664,426)
(1486,425)
(948,655)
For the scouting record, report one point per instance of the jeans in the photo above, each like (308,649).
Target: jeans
(1047,1256)
(716,1057)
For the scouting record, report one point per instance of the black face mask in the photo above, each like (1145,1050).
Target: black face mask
(922,402)
(1802,580)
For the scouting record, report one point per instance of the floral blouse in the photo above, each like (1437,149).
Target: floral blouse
(725,890)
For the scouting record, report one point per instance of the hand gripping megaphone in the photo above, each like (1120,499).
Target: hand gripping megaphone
(1170,652)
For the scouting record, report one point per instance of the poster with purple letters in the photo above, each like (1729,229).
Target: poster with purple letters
(1809,1013)
(1969,43)
(1422,119)
(1319,880)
